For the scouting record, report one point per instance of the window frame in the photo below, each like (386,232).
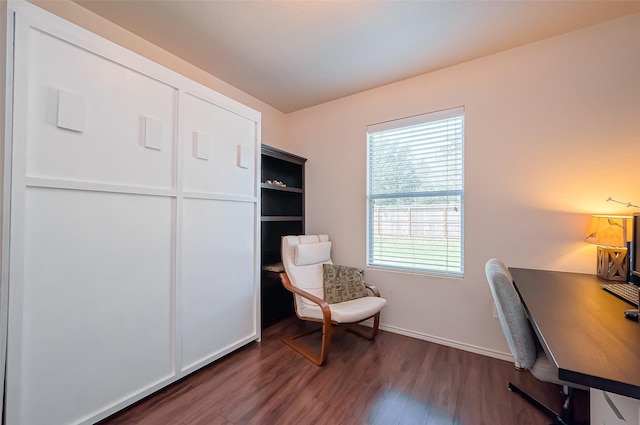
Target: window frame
(421,267)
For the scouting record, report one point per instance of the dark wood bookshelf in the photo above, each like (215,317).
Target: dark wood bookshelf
(282,213)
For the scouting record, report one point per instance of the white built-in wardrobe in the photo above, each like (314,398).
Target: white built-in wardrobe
(131,240)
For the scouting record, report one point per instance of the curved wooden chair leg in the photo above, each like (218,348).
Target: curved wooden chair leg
(376,324)
(327,330)
(365,332)
(316,358)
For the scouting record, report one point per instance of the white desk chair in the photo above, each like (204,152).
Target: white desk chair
(522,342)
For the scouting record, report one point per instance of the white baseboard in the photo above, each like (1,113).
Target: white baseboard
(449,343)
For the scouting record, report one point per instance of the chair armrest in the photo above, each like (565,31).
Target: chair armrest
(373,289)
(326,311)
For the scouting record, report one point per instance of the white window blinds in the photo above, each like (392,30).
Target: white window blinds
(415,193)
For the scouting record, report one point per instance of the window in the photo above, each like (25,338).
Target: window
(415,193)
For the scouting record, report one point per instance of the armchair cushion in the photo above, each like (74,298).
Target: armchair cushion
(352,311)
(342,283)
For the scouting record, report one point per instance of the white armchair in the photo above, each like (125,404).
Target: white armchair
(303,258)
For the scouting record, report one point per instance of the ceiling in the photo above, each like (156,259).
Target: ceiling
(296,54)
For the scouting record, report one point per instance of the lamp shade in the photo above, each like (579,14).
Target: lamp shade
(609,230)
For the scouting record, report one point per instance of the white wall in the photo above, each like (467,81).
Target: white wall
(273,121)
(552,130)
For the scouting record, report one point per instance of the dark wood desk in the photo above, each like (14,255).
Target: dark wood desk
(583,329)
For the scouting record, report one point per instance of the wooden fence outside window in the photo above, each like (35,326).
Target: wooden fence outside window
(430,222)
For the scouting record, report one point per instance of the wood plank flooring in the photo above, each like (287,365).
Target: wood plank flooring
(394,380)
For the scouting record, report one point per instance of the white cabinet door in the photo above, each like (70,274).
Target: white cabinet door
(218,152)
(97,304)
(217,289)
(217,257)
(92,119)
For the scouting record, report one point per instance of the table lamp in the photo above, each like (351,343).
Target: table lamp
(611,234)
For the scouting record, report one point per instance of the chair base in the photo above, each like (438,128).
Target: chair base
(565,417)
(320,358)
(363,331)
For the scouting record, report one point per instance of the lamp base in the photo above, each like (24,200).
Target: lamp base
(612,263)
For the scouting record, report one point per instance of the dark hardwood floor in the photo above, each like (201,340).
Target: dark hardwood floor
(394,380)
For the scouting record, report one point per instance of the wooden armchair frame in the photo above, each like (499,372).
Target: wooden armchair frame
(327,324)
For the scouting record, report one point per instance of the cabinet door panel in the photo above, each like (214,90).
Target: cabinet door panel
(217,289)
(91,119)
(98,283)
(218,149)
